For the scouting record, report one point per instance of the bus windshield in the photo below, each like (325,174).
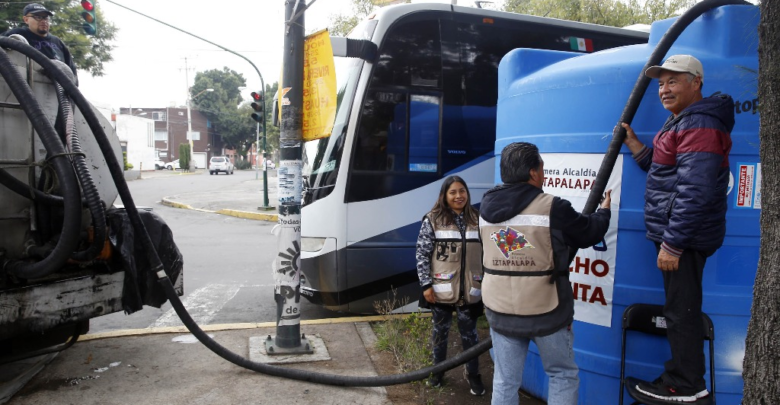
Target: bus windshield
(321,157)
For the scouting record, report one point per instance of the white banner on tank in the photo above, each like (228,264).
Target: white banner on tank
(592,273)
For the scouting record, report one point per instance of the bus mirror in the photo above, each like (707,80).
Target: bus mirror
(354,48)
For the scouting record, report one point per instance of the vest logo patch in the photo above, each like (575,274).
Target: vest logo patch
(509,240)
(442,276)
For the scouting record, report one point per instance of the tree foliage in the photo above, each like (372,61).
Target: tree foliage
(761,365)
(342,24)
(89,52)
(231,114)
(616,13)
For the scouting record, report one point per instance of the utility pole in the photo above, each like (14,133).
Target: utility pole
(286,267)
(189,118)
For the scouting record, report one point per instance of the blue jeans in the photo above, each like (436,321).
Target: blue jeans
(557,354)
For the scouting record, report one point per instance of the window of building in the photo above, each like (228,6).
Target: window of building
(161,136)
(158,116)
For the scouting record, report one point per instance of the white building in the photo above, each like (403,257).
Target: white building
(137,137)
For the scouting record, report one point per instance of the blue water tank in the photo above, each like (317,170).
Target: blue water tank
(569,103)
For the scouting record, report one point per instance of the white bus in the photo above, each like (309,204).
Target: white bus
(423,108)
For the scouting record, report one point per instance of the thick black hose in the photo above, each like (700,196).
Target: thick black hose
(319,378)
(70,189)
(156,264)
(88,188)
(117,172)
(302,374)
(632,105)
(24,190)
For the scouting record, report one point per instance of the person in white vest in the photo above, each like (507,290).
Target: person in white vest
(526,235)
(449,266)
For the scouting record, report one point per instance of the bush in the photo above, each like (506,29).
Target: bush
(184,156)
(242,164)
(408,339)
(128,166)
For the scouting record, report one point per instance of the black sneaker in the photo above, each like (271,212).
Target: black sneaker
(435,380)
(475,382)
(659,389)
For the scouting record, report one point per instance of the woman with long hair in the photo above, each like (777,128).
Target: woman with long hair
(449,265)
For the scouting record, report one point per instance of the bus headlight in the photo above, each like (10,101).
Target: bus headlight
(312,244)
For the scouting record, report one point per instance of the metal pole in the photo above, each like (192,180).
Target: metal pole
(189,116)
(287,264)
(262,82)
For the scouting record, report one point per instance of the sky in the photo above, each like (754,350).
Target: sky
(148,69)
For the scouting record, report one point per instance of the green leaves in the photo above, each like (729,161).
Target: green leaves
(89,52)
(616,13)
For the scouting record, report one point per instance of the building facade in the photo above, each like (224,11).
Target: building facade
(170,131)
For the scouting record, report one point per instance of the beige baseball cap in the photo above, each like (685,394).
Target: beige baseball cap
(677,63)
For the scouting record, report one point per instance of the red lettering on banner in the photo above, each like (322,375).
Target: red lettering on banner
(583,265)
(596,296)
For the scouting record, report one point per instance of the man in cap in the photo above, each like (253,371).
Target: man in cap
(685,212)
(37,34)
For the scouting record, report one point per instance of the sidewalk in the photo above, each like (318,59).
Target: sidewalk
(171,367)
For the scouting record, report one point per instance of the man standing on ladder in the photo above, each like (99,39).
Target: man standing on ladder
(685,212)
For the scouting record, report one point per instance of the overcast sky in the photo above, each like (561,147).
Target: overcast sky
(148,69)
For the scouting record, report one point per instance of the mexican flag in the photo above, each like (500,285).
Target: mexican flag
(581,44)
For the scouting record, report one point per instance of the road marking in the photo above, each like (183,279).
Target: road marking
(203,304)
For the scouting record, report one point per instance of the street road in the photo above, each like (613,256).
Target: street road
(227,260)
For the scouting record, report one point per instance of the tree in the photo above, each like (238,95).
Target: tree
(89,52)
(616,13)
(342,24)
(221,107)
(761,366)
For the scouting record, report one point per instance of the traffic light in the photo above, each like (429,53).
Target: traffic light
(258,105)
(90,21)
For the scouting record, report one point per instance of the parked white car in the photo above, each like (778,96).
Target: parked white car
(174,165)
(220,164)
(159,164)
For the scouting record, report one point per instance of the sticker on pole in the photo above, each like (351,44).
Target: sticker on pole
(319,86)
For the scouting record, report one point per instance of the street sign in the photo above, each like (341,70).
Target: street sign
(319,86)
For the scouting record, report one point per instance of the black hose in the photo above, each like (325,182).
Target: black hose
(157,267)
(91,194)
(632,105)
(25,190)
(70,189)
(117,172)
(303,375)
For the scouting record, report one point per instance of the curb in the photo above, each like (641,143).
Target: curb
(233,213)
(232,326)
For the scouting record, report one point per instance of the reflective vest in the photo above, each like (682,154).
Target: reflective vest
(456,267)
(518,261)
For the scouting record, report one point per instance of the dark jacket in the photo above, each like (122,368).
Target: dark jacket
(568,228)
(688,177)
(50,45)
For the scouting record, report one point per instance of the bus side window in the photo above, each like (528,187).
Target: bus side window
(381,141)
